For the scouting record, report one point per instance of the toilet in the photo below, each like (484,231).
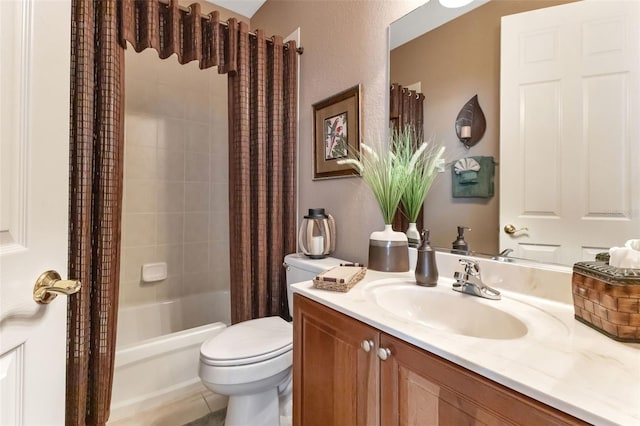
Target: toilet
(251,362)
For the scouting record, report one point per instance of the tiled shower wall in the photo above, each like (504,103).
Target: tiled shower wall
(176,178)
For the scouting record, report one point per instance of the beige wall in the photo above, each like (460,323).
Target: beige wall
(345,43)
(453,63)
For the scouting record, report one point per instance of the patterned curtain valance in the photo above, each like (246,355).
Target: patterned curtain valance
(170,28)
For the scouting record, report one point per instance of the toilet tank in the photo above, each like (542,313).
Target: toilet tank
(302,268)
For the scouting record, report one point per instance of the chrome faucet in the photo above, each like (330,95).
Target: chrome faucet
(503,256)
(505,252)
(470,281)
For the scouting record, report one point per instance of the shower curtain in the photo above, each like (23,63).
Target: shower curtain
(262,173)
(262,76)
(95,204)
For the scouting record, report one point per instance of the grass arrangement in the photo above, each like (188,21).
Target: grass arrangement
(422,170)
(383,173)
(397,172)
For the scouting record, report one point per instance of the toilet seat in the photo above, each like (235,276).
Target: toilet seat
(248,342)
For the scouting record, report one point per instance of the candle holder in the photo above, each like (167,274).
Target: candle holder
(470,123)
(317,234)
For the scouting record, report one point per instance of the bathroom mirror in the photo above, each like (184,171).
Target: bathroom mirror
(448,77)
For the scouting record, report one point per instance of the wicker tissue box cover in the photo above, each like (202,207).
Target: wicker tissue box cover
(607,299)
(340,278)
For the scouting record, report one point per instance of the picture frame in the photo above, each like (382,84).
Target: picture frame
(336,132)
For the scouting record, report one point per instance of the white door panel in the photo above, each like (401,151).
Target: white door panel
(34,157)
(569,100)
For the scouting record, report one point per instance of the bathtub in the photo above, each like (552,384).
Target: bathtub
(158,347)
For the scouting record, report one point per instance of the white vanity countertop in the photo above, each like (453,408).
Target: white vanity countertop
(568,366)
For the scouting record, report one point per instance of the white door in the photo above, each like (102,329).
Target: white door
(34,157)
(569,134)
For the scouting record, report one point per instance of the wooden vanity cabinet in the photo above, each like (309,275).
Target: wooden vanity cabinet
(336,381)
(419,388)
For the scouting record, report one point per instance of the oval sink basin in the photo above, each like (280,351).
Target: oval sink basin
(443,309)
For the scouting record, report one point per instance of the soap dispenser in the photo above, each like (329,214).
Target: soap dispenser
(426,272)
(460,244)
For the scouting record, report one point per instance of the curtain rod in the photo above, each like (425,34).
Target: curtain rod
(299,50)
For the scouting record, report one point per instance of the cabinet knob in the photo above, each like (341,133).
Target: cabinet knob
(384,353)
(367,345)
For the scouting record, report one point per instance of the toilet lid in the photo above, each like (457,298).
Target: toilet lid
(248,342)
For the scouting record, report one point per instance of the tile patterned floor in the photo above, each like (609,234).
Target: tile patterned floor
(187,410)
(211,419)
(200,408)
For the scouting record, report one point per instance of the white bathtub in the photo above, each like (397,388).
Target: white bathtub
(158,349)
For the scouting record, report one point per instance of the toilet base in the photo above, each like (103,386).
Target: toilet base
(256,409)
(256,403)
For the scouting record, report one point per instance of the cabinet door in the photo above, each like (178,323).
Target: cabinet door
(418,388)
(335,380)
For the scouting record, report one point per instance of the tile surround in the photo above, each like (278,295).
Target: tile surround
(172,134)
(141,130)
(175,188)
(197,166)
(196,199)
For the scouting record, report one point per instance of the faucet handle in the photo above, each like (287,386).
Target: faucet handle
(471,267)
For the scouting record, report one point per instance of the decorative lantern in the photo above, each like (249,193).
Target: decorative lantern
(317,234)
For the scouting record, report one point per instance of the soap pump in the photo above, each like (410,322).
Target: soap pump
(426,272)
(460,244)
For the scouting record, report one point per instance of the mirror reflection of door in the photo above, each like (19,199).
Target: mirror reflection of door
(569,99)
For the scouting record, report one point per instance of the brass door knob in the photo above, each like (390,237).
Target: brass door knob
(510,229)
(49,285)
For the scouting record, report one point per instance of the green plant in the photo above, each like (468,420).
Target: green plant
(397,171)
(385,175)
(421,164)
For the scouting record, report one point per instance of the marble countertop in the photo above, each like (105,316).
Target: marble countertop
(559,361)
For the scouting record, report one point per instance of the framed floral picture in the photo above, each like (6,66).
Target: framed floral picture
(336,132)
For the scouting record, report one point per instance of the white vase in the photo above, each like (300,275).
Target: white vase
(388,251)
(413,235)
